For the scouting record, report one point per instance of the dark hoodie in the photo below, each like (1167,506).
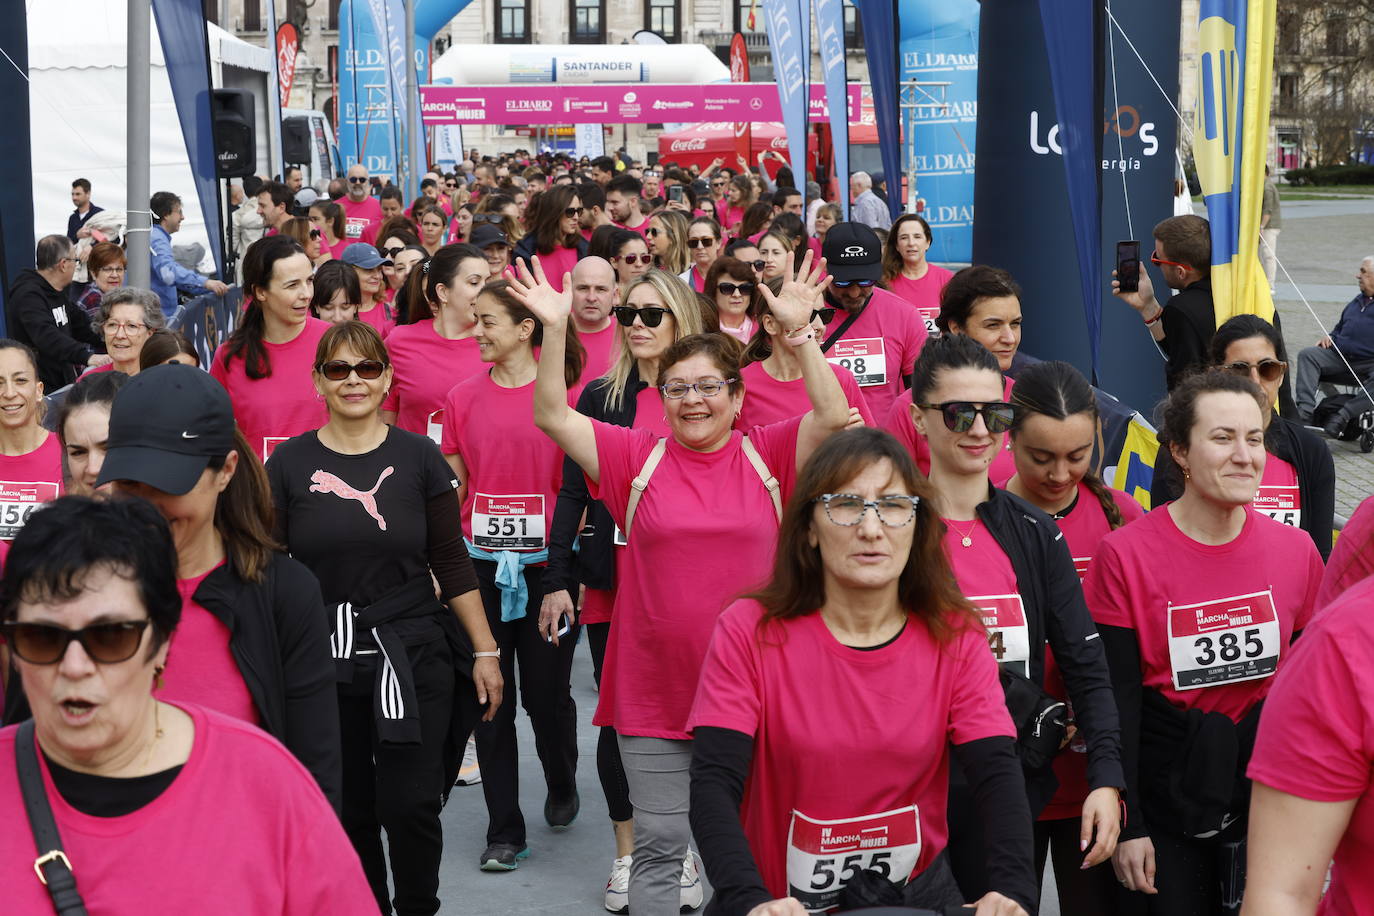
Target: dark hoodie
(58,331)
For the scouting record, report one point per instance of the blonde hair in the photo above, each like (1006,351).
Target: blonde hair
(676,224)
(681,302)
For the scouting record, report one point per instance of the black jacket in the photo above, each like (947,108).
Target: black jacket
(1189,322)
(594,563)
(526,249)
(279,637)
(1056,613)
(58,331)
(1308,455)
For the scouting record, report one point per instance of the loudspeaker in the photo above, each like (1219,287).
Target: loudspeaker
(231,111)
(295,140)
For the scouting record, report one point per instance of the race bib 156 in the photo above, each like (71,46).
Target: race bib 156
(1224,641)
(824,855)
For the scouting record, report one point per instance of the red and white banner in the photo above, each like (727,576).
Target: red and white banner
(739,73)
(288,45)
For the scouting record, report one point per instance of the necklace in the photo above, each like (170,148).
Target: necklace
(157,733)
(966,537)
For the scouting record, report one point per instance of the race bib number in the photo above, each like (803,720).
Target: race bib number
(270,443)
(508,522)
(1282,504)
(435,426)
(1224,641)
(928,317)
(1008,634)
(18,499)
(824,856)
(865,358)
(1080,566)
(353,227)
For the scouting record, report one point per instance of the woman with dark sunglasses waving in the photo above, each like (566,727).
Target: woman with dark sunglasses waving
(658,312)
(711,492)
(1013,564)
(1299,483)
(371,510)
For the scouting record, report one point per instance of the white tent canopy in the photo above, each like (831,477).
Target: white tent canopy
(487,65)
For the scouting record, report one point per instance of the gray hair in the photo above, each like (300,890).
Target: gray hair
(51,250)
(862,179)
(133,295)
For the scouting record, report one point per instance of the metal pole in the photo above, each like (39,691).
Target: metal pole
(139,220)
(412,146)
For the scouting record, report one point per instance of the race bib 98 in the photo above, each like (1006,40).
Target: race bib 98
(508,522)
(1008,633)
(865,358)
(824,856)
(1281,503)
(1224,641)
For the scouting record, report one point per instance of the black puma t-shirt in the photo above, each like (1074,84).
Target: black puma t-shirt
(362,523)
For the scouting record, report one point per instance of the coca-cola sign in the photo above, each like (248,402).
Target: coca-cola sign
(288,44)
(687,146)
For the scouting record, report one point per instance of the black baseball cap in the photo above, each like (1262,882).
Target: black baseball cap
(485,235)
(852,252)
(165,426)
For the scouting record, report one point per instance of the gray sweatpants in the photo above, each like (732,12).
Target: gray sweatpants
(658,773)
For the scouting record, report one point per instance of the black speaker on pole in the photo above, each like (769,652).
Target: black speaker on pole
(295,140)
(231,111)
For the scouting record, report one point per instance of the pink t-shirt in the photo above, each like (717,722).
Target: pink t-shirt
(26,482)
(767,400)
(379,316)
(243,828)
(108,367)
(880,348)
(1278,496)
(558,262)
(1316,737)
(1084,528)
(514,470)
(200,667)
(986,577)
(1352,556)
(601,350)
(361,220)
(923,293)
(672,583)
(818,709)
(1214,622)
(427,367)
(729,217)
(284,404)
(899,423)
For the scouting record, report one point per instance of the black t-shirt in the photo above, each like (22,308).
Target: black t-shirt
(109,796)
(1189,322)
(360,522)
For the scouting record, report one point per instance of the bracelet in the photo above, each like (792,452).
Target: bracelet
(799,341)
(797,330)
(496,654)
(1155,320)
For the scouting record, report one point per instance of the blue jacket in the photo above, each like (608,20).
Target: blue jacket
(166,275)
(1354,333)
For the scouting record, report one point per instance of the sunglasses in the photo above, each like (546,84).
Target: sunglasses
(316,234)
(353,179)
(1271,370)
(494,218)
(336,370)
(572,211)
(392,252)
(959,415)
(45,644)
(719,184)
(634,258)
(701,242)
(1156,259)
(845,284)
(651,316)
(826,314)
(757,265)
(729,289)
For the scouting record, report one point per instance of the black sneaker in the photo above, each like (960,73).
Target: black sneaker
(1335,427)
(503,857)
(560,813)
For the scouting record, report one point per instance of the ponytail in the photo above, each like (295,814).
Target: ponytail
(244,514)
(1104,496)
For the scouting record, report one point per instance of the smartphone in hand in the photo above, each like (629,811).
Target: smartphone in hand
(1128,266)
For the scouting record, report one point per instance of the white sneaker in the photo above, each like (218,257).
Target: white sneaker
(618,888)
(469,774)
(689,885)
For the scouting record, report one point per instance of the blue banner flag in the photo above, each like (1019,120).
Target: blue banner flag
(830,32)
(16,195)
(879,18)
(789,38)
(1230,145)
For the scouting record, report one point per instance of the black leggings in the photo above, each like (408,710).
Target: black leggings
(1081,893)
(608,765)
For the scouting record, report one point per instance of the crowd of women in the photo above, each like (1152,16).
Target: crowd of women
(864,633)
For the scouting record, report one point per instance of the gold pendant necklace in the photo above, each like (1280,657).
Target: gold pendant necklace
(965,537)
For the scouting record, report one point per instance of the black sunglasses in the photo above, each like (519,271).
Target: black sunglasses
(494,218)
(336,370)
(959,415)
(826,314)
(354,179)
(651,316)
(729,289)
(700,242)
(45,643)
(652,232)
(572,211)
(845,284)
(315,234)
(392,252)
(1271,370)
(757,265)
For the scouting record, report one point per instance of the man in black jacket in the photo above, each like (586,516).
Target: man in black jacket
(38,314)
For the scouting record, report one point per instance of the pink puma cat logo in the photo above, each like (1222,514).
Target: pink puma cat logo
(325,482)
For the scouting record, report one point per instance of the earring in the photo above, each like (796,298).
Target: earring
(158,682)
(1186,475)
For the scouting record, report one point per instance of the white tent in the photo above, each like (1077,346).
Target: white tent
(77,75)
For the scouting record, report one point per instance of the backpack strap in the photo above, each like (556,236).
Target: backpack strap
(641,482)
(52,867)
(769,481)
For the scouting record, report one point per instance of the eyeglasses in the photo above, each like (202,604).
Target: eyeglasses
(354,179)
(1156,259)
(392,252)
(826,314)
(494,218)
(729,289)
(707,388)
(700,242)
(848,509)
(651,315)
(757,265)
(719,184)
(1271,370)
(571,212)
(336,370)
(316,234)
(46,644)
(959,415)
(131,328)
(845,284)
(651,174)
(651,232)
(634,258)
(111,271)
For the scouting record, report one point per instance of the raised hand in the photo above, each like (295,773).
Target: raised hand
(800,296)
(536,293)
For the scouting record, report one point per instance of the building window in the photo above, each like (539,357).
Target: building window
(1335,90)
(1289,39)
(663,16)
(252,16)
(853,28)
(334,14)
(512,21)
(587,22)
(743,10)
(1338,40)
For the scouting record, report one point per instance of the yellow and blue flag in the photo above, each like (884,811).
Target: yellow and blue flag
(1230,145)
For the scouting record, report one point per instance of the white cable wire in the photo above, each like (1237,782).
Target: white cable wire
(1120,141)
(1150,73)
